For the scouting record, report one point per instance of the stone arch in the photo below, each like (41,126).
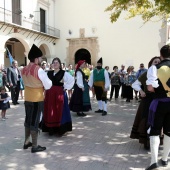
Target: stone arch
(90,44)
(46,52)
(82,54)
(19,49)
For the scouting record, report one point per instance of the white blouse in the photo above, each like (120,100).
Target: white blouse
(152,77)
(136,85)
(79,78)
(47,83)
(68,81)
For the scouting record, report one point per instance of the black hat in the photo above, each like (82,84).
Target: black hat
(100,60)
(34,52)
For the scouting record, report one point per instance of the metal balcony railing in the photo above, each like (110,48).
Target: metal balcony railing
(27,22)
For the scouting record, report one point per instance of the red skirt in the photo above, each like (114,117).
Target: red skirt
(53,106)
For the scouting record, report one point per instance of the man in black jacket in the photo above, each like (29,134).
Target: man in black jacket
(13,76)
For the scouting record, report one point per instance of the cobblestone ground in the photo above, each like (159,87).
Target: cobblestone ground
(96,142)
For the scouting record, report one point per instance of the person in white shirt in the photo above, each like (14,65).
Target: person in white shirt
(57,117)
(139,128)
(35,81)
(80,100)
(99,78)
(158,82)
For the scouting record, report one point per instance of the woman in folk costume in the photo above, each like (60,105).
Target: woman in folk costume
(57,118)
(80,100)
(139,129)
(99,78)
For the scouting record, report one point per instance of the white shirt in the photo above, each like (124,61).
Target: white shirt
(79,78)
(47,83)
(107,80)
(152,77)
(136,85)
(16,71)
(68,81)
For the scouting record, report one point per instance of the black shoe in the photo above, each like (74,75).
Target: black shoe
(146,146)
(153,166)
(83,114)
(104,113)
(17,103)
(136,98)
(99,111)
(79,114)
(128,100)
(26,146)
(38,149)
(51,132)
(164,163)
(14,103)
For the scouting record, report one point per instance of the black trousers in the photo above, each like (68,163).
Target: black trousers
(128,92)
(15,92)
(161,120)
(116,88)
(123,90)
(100,93)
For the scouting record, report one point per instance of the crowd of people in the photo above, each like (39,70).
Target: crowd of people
(51,91)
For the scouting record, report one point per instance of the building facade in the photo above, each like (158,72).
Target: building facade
(73,30)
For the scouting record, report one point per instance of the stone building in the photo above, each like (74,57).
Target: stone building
(76,29)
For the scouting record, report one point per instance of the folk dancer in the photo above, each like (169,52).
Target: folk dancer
(99,78)
(35,81)
(158,81)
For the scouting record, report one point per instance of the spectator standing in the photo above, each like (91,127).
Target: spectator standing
(107,68)
(129,79)
(141,70)
(86,71)
(122,73)
(63,66)
(4,102)
(13,76)
(115,83)
(1,78)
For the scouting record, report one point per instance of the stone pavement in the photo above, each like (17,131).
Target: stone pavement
(96,142)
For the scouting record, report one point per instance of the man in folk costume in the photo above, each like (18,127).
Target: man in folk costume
(159,112)
(35,81)
(99,78)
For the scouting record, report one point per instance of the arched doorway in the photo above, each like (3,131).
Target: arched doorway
(83,54)
(17,50)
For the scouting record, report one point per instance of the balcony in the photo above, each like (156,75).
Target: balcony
(27,23)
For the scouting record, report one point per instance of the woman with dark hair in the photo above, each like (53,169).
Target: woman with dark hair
(115,82)
(130,77)
(139,129)
(80,100)
(57,118)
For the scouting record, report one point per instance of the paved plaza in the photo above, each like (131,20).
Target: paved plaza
(96,142)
